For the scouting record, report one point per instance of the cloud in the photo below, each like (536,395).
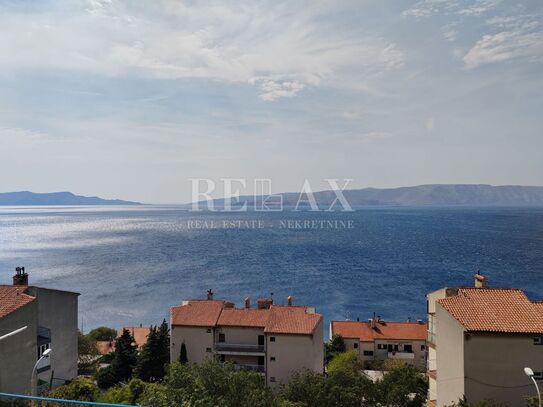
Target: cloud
(505,45)
(278,47)
(427,8)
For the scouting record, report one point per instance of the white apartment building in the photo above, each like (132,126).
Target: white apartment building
(274,340)
(379,340)
(50,317)
(480,340)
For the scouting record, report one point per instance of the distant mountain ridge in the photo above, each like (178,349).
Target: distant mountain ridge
(27,198)
(425,195)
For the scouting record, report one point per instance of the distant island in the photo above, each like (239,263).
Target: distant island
(26,198)
(424,195)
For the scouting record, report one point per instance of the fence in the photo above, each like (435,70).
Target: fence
(19,400)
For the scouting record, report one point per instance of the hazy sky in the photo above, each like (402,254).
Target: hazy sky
(130,99)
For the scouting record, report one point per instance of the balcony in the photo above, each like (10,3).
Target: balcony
(239,349)
(254,368)
(401,355)
(431,338)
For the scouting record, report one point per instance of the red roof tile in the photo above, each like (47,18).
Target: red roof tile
(12,298)
(292,320)
(412,331)
(246,317)
(495,310)
(197,313)
(105,347)
(140,334)
(276,319)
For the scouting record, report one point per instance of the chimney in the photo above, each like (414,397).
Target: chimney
(289,300)
(210,294)
(247,302)
(480,280)
(20,277)
(264,303)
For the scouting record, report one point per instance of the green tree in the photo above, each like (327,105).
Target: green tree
(336,345)
(183,359)
(402,386)
(344,361)
(125,356)
(103,333)
(78,389)
(88,355)
(154,355)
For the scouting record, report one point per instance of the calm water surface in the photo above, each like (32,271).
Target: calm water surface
(130,264)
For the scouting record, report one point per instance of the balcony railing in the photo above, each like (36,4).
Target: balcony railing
(239,348)
(401,355)
(254,368)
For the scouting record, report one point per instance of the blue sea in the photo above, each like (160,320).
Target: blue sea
(131,264)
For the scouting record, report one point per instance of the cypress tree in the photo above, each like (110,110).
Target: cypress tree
(125,356)
(183,355)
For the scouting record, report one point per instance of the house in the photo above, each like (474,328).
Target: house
(50,318)
(139,333)
(480,340)
(274,340)
(379,340)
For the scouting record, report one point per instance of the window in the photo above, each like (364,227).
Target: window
(223,358)
(272,358)
(408,348)
(538,340)
(379,346)
(355,345)
(208,350)
(208,330)
(222,338)
(538,376)
(272,379)
(422,347)
(368,353)
(272,339)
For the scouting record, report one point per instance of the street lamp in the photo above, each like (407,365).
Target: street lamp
(33,383)
(12,333)
(530,373)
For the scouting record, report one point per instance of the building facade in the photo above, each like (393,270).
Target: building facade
(274,340)
(480,340)
(378,340)
(50,317)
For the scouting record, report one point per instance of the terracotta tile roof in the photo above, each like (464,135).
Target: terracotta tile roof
(246,317)
(105,347)
(140,334)
(412,331)
(292,320)
(12,298)
(276,319)
(197,313)
(495,310)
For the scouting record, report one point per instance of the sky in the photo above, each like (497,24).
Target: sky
(130,99)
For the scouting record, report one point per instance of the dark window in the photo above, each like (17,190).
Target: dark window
(261,361)
(222,338)
(260,340)
(368,353)
(272,379)
(396,348)
(208,330)
(208,349)
(538,340)
(272,358)
(422,347)
(538,376)
(408,348)
(355,345)
(389,347)
(223,358)
(378,346)
(272,339)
